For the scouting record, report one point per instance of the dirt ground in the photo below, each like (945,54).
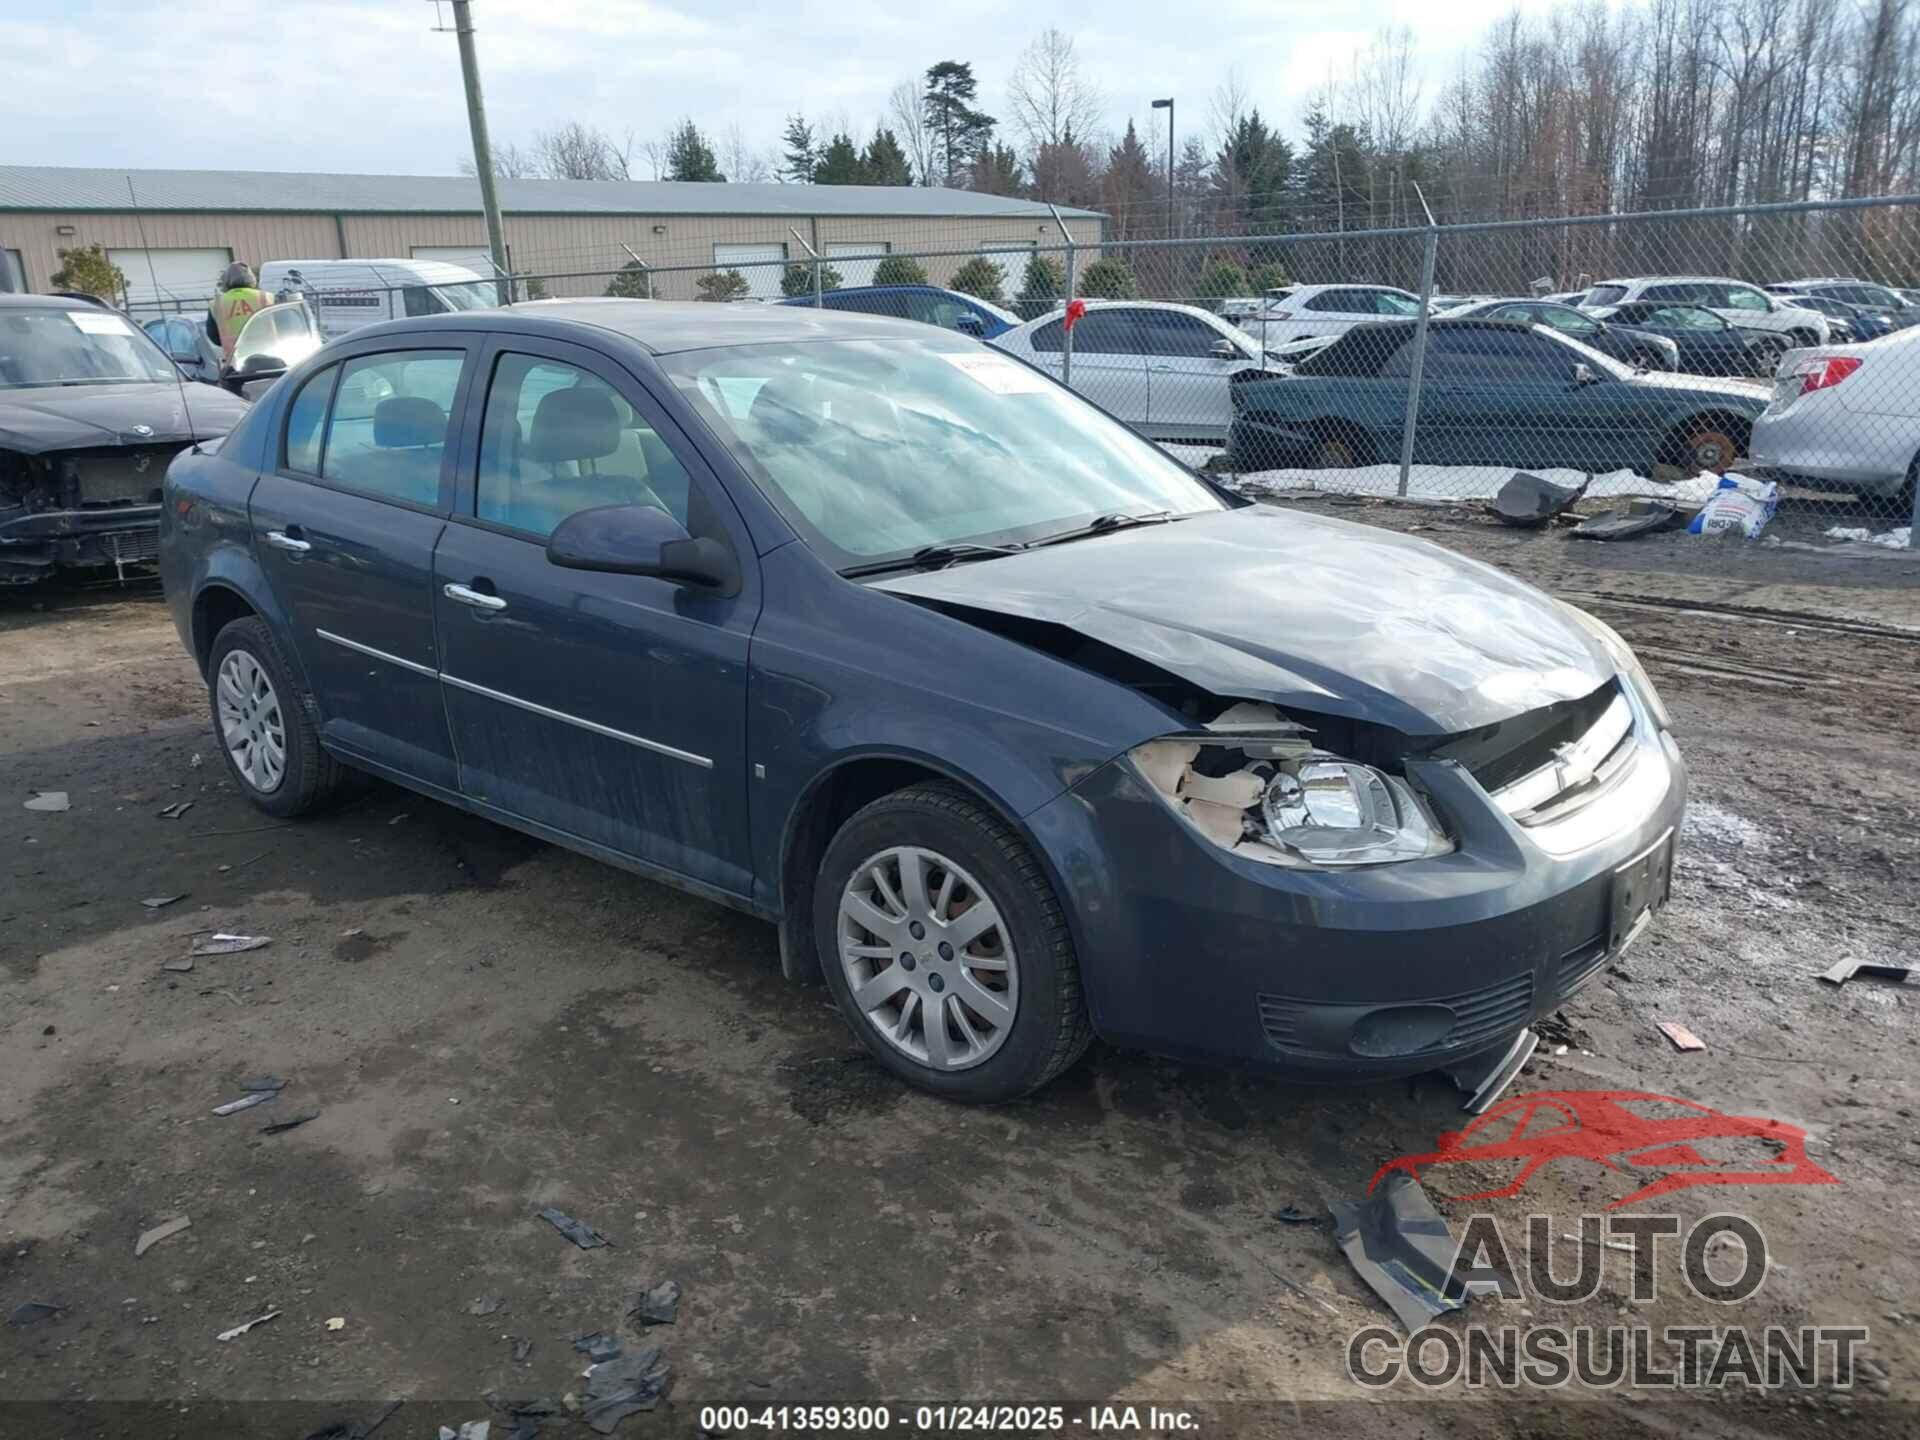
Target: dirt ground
(487,1025)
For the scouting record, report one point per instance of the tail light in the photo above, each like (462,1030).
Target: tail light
(1823,374)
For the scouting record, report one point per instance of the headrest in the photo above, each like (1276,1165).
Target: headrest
(406,421)
(576,424)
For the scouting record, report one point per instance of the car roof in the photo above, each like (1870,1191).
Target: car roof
(49,302)
(1092,305)
(664,327)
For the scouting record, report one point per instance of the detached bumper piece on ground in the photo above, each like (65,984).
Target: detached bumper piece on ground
(1401,1247)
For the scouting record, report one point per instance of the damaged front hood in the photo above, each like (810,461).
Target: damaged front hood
(38,419)
(1302,612)
(1759,391)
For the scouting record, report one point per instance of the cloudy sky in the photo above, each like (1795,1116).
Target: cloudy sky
(368,86)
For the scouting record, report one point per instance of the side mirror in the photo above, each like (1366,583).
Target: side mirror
(258,368)
(642,540)
(1225,350)
(1583,373)
(969,324)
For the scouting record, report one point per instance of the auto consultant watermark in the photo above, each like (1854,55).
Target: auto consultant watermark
(1661,1144)
(1549,1355)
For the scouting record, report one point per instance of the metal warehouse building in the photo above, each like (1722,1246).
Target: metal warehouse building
(196,221)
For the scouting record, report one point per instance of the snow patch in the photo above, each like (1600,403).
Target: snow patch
(1900,539)
(1707,821)
(1445,482)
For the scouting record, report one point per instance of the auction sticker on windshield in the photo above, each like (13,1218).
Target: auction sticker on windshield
(99,322)
(997,372)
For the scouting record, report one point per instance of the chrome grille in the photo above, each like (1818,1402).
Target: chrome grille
(1579,773)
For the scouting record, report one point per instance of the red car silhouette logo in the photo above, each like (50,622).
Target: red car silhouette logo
(1624,1130)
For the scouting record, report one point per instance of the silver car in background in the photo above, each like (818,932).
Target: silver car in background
(1845,416)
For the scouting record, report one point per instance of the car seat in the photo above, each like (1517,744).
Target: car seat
(409,442)
(572,431)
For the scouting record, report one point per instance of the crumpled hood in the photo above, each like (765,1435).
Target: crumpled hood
(37,419)
(1300,611)
(1752,390)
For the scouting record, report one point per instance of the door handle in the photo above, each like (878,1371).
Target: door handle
(465,596)
(293,544)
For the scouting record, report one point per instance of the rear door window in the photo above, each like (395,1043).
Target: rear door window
(387,432)
(1186,337)
(1682,294)
(1745,297)
(1341,302)
(1109,332)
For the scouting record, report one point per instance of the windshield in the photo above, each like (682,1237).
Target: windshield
(77,347)
(1387,302)
(874,449)
(478,295)
(1601,364)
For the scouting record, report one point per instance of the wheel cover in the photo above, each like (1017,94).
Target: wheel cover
(251,724)
(928,958)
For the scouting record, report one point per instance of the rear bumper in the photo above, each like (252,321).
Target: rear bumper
(1340,976)
(1833,446)
(33,545)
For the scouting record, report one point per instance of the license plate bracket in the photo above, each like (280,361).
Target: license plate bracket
(1640,887)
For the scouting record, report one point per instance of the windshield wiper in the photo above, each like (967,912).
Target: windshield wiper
(1102,524)
(934,557)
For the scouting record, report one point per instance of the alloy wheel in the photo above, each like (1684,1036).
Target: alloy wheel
(251,725)
(928,958)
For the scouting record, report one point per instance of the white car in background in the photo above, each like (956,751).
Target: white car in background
(1738,303)
(1164,369)
(1297,311)
(1845,416)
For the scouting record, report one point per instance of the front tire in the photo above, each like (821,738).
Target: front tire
(261,720)
(946,949)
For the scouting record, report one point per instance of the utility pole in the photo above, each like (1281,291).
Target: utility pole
(1167,105)
(482,147)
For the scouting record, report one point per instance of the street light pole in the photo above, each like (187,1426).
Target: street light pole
(482,148)
(1167,105)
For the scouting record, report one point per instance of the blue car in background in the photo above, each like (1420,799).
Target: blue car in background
(1018,729)
(929,304)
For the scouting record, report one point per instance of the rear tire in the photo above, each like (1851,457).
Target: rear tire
(1006,997)
(1767,355)
(1336,448)
(1707,444)
(262,721)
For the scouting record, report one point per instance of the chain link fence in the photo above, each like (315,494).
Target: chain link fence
(1632,357)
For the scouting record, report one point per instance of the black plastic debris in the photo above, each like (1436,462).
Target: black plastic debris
(1643,517)
(626,1386)
(1556,1029)
(598,1347)
(160,902)
(486,1305)
(522,1349)
(1529,502)
(1294,1215)
(33,1312)
(658,1306)
(280,1127)
(1879,970)
(1401,1247)
(585,1236)
(1486,1075)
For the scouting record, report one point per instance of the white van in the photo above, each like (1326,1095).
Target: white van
(346,294)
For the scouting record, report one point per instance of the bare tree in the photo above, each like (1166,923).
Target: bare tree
(909,119)
(1049,100)
(742,161)
(510,162)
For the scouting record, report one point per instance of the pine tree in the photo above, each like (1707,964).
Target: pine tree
(840,163)
(1108,279)
(630,282)
(960,132)
(899,270)
(995,171)
(798,279)
(1042,283)
(722,285)
(1130,192)
(801,154)
(980,278)
(884,161)
(690,157)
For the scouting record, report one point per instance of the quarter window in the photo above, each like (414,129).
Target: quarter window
(387,433)
(304,422)
(557,439)
(1739,297)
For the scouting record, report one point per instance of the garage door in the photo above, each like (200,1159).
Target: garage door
(857,272)
(178,279)
(758,263)
(476,258)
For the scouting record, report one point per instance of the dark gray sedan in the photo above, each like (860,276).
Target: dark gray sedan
(1018,730)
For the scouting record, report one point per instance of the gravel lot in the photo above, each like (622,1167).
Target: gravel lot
(488,1025)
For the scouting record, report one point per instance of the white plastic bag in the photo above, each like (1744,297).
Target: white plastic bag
(1737,503)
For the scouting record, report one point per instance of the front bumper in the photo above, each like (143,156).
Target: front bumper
(34,544)
(1254,445)
(1190,951)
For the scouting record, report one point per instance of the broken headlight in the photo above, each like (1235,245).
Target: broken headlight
(1255,785)
(1626,662)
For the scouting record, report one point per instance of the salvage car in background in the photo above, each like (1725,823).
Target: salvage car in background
(1493,393)
(1068,742)
(1846,323)
(1734,301)
(929,304)
(1848,417)
(185,339)
(1296,311)
(91,411)
(1162,368)
(1704,344)
(1624,343)
(1885,304)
